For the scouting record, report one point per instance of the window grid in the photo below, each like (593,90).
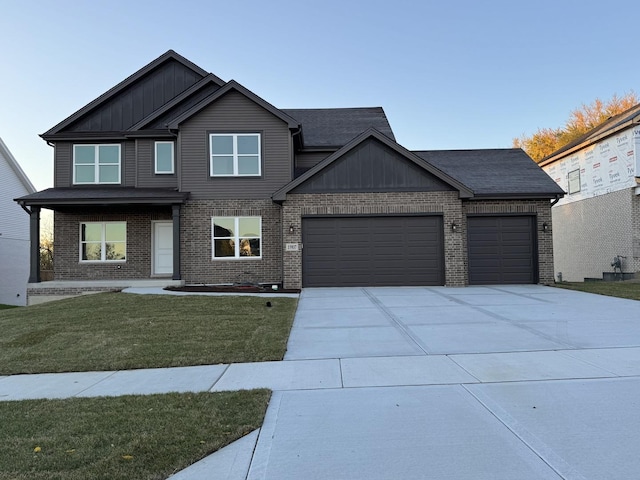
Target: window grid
(235,155)
(107,245)
(243,246)
(100,166)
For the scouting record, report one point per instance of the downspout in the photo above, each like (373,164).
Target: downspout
(555,201)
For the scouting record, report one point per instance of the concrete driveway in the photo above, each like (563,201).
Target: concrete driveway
(509,382)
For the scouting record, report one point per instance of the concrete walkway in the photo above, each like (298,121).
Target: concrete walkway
(479,383)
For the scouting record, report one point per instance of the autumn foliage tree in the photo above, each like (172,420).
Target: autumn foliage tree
(581,120)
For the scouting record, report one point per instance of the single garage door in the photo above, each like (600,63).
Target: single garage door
(502,250)
(372,251)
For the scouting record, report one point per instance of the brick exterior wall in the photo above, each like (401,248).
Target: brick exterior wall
(197,263)
(588,233)
(446,203)
(67,265)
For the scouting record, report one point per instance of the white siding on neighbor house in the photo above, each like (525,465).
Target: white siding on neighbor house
(14,231)
(608,166)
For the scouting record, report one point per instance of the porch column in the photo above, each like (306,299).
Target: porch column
(175,212)
(34,237)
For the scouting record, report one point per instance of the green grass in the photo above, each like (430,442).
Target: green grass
(119,331)
(130,437)
(6,307)
(629,290)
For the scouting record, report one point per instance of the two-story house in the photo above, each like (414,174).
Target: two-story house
(598,221)
(14,230)
(177,175)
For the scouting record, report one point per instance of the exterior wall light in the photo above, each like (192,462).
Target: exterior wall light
(291,229)
(454,227)
(545,227)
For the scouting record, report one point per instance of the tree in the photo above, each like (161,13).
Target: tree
(581,120)
(46,247)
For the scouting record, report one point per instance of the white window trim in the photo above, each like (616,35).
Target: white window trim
(173,161)
(103,245)
(235,155)
(236,239)
(97,164)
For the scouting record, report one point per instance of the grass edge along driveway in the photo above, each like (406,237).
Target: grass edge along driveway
(134,436)
(121,331)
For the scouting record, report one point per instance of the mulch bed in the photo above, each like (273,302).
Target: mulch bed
(231,289)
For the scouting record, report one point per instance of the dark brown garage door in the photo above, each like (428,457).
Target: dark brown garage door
(502,250)
(372,251)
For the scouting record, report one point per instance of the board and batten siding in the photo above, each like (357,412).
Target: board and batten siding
(234,113)
(14,237)
(147,178)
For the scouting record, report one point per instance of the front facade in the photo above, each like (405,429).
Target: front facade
(599,218)
(176,175)
(14,231)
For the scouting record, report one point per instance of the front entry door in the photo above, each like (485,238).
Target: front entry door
(163,248)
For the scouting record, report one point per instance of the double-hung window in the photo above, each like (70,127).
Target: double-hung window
(164,157)
(235,154)
(96,164)
(574,181)
(236,237)
(103,242)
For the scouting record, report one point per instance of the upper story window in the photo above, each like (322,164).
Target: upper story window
(164,157)
(235,155)
(94,164)
(574,181)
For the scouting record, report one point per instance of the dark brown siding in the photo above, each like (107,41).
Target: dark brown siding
(234,113)
(146,167)
(310,159)
(139,100)
(62,164)
(128,172)
(372,167)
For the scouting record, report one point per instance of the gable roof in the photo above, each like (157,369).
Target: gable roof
(613,125)
(495,173)
(233,85)
(281,194)
(335,127)
(15,166)
(170,55)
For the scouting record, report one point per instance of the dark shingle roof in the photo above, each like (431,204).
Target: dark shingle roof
(494,172)
(92,195)
(335,127)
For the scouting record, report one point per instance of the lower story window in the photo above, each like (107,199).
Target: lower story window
(236,237)
(103,242)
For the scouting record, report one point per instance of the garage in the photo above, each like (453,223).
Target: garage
(502,250)
(372,251)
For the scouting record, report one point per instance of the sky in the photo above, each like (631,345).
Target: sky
(449,75)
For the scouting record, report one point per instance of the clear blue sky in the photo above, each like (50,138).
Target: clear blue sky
(450,75)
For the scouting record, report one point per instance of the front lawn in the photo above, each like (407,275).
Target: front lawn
(141,437)
(5,307)
(119,331)
(626,289)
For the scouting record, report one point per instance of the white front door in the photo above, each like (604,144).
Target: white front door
(162,248)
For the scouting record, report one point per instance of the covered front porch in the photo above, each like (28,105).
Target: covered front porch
(106,239)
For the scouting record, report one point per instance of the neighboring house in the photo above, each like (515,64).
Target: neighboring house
(14,231)
(599,218)
(174,174)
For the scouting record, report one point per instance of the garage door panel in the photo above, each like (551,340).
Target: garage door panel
(363,251)
(501,250)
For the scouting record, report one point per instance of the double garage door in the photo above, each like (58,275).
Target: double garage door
(372,251)
(397,250)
